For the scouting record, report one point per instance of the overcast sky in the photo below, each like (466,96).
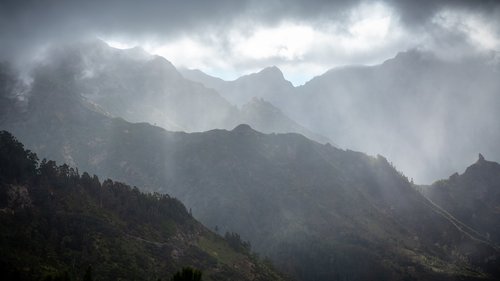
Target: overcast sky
(228,38)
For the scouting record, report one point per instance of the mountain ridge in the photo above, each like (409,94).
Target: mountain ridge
(141,87)
(418,109)
(280,191)
(69,222)
(472,197)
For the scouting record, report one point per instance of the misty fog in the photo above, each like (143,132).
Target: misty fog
(250,140)
(428,101)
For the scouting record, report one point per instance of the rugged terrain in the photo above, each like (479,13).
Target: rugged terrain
(56,222)
(317,211)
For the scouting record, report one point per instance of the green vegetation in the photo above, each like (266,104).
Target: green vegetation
(320,213)
(60,225)
(236,243)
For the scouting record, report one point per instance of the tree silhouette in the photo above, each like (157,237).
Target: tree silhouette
(187,274)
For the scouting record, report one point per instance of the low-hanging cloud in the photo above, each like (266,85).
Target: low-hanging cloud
(219,30)
(303,38)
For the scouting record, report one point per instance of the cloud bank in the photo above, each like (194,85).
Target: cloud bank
(230,38)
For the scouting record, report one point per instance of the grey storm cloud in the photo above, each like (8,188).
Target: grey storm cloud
(32,17)
(26,26)
(30,23)
(418,13)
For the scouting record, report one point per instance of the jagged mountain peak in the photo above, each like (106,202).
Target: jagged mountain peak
(481,161)
(271,74)
(272,71)
(480,158)
(472,198)
(162,64)
(482,168)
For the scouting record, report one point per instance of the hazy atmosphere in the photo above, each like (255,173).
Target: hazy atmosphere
(304,39)
(231,38)
(250,140)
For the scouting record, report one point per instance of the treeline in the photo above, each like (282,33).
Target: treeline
(21,167)
(186,274)
(234,240)
(60,225)
(56,222)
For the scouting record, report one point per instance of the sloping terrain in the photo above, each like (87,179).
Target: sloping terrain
(140,87)
(426,114)
(266,118)
(268,84)
(430,116)
(56,222)
(473,198)
(318,212)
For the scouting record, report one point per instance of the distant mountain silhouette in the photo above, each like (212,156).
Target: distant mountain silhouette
(269,119)
(140,87)
(428,115)
(268,84)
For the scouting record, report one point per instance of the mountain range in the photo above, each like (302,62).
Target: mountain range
(58,224)
(428,115)
(317,211)
(140,87)
(268,84)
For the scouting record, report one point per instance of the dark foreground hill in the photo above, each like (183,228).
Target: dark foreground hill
(56,222)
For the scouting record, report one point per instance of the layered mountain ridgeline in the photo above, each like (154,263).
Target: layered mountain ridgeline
(266,99)
(417,109)
(267,118)
(137,86)
(319,212)
(268,84)
(56,222)
(473,198)
(140,87)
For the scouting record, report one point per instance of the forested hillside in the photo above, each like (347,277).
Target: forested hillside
(58,223)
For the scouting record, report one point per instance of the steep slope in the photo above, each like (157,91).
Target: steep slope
(203,78)
(268,84)
(140,87)
(266,118)
(253,93)
(319,212)
(56,222)
(472,197)
(428,115)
